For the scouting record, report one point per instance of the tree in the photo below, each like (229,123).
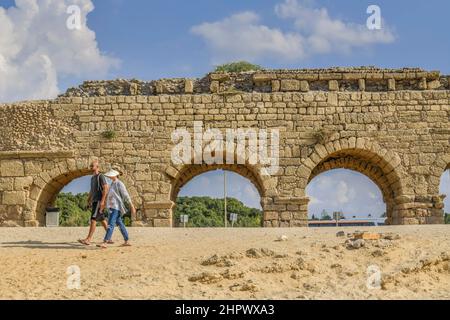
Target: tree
(208,212)
(314,218)
(325,216)
(74,212)
(238,66)
(447,218)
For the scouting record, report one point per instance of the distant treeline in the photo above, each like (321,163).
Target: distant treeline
(209,212)
(74,211)
(202,212)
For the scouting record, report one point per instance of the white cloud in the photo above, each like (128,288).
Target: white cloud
(324,34)
(342,191)
(36,48)
(347,191)
(243,36)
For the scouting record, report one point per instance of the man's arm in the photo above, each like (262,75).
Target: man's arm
(104,194)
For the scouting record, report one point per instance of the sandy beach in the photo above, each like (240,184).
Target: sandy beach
(227,264)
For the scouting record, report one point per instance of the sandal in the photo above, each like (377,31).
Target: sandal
(84,242)
(103,246)
(126,245)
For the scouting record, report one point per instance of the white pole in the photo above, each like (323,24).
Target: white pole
(225,196)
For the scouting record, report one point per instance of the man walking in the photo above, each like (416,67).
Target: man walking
(96,201)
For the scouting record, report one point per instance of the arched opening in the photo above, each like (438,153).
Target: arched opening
(346,195)
(69,193)
(444,190)
(48,195)
(199,193)
(378,165)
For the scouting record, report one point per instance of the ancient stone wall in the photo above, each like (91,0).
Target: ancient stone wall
(391,125)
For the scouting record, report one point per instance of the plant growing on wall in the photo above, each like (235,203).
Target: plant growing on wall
(109,134)
(322,135)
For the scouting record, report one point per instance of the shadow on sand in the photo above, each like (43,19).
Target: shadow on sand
(44,245)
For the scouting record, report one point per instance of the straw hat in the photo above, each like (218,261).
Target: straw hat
(112,173)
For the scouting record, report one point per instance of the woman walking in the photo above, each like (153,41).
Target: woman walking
(115,201)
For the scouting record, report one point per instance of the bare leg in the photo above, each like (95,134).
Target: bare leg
(91,231)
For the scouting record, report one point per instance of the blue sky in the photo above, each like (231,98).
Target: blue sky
(40,57)
(153,39)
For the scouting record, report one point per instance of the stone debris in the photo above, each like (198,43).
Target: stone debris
(390,236)
(247,286)
(232,275)
(206,277)
(282,238)
(366,235)
(355,243)
(218,261)
(340,234)
(378,253)
(259,253)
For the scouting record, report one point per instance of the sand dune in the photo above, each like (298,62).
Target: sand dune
(228,264)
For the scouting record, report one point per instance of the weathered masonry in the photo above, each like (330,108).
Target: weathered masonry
(391,125)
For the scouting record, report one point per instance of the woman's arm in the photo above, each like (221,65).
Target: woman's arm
(125,194)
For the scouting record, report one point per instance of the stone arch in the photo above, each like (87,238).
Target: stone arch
(181,175)
(441,165)
(366,157)
(51,190)
(436,199)
(47,185)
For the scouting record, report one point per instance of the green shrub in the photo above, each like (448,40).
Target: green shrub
(109,134)
(209,212)
(74,211)
(238,66)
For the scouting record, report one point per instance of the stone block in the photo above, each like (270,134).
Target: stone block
(11,168)
(22,183)
(214,87)
(304,86)
(188,86)
(14,197)
(290,85)
(333,85)
(391,84)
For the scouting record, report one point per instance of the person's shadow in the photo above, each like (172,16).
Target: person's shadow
(44,245)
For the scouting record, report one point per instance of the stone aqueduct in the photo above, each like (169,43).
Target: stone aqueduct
(391,125)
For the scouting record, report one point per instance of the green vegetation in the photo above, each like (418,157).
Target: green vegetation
(74,211)
(447,218)
(109,134)
(209,212)
(238,66)
(325,216)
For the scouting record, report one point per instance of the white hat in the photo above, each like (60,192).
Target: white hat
(112,173)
